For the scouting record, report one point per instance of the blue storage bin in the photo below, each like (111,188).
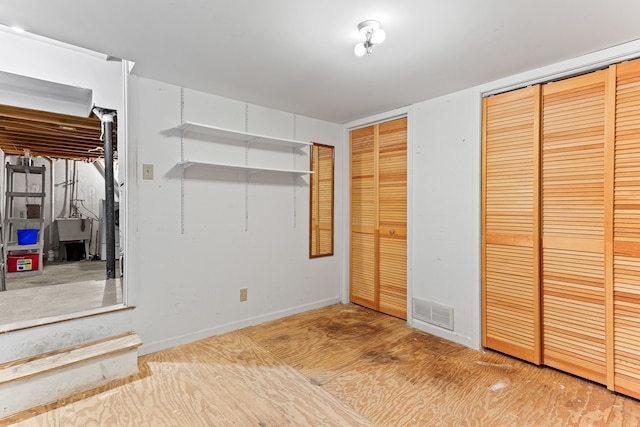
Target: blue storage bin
(28,236)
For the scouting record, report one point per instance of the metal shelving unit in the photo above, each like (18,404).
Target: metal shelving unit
(3,259)
(13,223)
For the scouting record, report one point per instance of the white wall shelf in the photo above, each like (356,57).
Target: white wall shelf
(214,134)
(249,169)
(226,135)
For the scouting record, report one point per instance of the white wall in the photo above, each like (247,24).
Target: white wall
(187,286)
(54,63)
(445,213)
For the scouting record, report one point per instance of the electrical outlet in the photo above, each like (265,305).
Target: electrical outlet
(243,294)
(147,171)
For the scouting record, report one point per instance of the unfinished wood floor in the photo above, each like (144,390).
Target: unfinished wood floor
(338,366)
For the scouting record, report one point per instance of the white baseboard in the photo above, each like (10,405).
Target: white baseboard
(443,333)
(152,347)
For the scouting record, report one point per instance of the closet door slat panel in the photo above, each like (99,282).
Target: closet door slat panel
(392,217)
(573,225)
(510,227)
(363,289)
(626,234)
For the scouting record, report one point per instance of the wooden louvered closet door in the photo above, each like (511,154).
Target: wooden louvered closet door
(626,246)
(510,285)
(364,220)
(378,217)
(589,201)
(573,225)
(392,217)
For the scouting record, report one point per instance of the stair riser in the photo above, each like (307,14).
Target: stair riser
(23,343)
(57,384)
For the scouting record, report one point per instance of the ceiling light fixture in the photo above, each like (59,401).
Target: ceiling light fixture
(373,33)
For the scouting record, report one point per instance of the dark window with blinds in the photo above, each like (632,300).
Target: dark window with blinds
(321,215)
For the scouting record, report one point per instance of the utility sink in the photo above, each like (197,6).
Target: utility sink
(73,229)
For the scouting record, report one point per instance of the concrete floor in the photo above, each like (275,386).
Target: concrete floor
(63,289)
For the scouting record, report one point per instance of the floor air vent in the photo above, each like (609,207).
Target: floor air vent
(433,313)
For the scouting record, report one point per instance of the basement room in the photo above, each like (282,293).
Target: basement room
(288,213)
(54,214)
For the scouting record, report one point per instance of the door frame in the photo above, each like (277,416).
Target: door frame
(345,199)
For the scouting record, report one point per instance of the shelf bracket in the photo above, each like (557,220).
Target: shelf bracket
(246,202)
(293,187)
(246,187)
(182,160)
(294,151)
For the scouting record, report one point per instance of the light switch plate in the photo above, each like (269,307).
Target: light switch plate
(147,171)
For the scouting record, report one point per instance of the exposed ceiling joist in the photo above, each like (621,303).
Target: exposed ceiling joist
(48,134)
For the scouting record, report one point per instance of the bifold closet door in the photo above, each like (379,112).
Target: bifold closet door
(392,217)
(379,217)
(510,223)
(364,288)
(590,226)
(573,225)
(626,246)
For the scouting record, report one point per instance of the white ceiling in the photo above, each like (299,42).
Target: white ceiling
(297,55)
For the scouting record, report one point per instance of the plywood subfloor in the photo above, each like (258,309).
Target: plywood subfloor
(338,366)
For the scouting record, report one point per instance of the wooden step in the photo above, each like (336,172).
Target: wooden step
(47,377)
(58,359)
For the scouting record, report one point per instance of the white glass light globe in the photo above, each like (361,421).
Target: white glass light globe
(360,50)
(378,36)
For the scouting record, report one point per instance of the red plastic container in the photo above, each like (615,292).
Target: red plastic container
(20,263)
